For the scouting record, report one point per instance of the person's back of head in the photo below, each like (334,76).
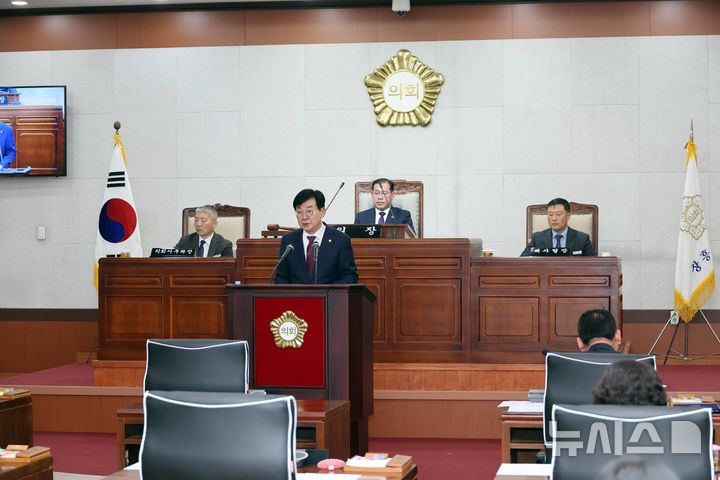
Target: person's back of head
(628,382)
(597,326)
(636,468)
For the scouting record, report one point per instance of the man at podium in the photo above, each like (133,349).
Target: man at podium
(205,241)
(7,145)
(315,253)
(560,235)
(383,192)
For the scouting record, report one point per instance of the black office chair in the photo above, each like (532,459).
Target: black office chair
(219,436)
(571,377)
(197,365)
(590,436)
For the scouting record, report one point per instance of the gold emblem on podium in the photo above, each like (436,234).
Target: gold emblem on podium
(288,330)
(404,91)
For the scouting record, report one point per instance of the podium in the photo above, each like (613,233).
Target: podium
(310,341)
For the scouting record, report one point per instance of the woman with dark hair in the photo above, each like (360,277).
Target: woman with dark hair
(630,383)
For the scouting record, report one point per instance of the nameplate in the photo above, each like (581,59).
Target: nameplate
(553,252)
(360,231)
(172,252)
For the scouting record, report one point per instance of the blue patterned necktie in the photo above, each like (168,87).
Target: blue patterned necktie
(382,218)
(201,250)
(558,238)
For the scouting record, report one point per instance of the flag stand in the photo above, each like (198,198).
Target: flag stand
(674,319)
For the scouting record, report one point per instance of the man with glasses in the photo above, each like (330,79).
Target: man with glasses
(559,235)
(383,192)
(319,254)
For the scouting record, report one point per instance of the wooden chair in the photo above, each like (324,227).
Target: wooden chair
(233,222)
(408,196)
(583,217)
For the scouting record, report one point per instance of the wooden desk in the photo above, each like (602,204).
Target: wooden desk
(436,301)
(522,436)
(37,470)
(16,421)
(141,298)
(320,424)
(411,475)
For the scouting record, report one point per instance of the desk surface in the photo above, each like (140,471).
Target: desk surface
(36,470)
(411,475)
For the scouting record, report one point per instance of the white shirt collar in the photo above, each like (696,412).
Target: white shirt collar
(318,237)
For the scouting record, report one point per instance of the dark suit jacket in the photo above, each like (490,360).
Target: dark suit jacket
(218,245)
(576,241)
(601,348)
(336,261)
(399,216)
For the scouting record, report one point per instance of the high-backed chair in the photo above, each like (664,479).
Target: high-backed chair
(408,196)
(233,222)
(590,436)
(197,365)
(571,377)
(583,217)
(219,436)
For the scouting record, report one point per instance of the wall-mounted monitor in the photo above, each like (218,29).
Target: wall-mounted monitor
(33,137)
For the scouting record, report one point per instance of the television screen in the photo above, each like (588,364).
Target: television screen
(32,131)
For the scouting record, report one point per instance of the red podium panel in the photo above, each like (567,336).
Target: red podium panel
(290,367)
(335,360)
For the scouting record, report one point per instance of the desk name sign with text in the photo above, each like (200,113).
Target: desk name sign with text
(554,252)
(172,252)
(360,231)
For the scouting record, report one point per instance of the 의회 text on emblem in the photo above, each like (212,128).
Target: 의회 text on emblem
(404,91)
(692,219)
(288,330)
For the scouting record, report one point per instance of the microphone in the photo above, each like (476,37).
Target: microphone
(288,251)
(333,198)
(316,250)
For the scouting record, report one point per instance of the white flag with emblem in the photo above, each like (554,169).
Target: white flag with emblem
(694,272)
(118,228)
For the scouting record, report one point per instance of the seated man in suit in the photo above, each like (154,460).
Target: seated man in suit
(383,192)
(559,235)
(598,332)
(335,261)
(205,241)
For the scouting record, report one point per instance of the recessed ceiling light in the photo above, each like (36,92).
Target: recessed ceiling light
(19,3)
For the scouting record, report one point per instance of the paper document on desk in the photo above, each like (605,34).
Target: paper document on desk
(525,469)
(522,406)
(324,476)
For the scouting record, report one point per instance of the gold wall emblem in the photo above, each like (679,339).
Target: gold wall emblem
(404,91)
(288,330)
(692,219)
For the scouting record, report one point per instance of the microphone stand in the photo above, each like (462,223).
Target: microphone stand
(316,251)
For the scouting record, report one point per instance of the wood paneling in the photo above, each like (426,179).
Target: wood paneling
(358,25)
(122,373)
(514,320)
(39,136)
(78,413)
(343,25)
(28,346)
(143,298)
(562,20)
(181,29)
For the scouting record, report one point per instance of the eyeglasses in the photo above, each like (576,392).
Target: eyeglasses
(307,212)
(380,193)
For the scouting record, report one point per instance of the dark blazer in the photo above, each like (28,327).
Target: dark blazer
(399,216)
(219,247)
(601,348)
(336,261)
(576,241)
